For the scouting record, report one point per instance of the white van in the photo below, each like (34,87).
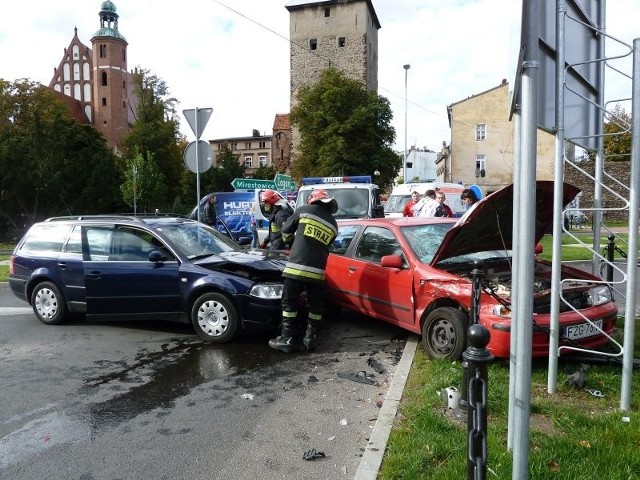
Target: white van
(357,197)
(401,194)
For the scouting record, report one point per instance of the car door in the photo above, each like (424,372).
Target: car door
(122,282)
(342,278)
(368,287)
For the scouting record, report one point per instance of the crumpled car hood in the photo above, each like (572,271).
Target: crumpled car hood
(489,224)
(263,261)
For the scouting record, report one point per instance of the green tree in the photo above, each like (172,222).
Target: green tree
(344,130)
(265,173)
(49,160)
(143,184)
(155,135)
(617,135)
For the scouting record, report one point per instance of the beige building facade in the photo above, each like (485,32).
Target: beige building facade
(482,143)
(253,151)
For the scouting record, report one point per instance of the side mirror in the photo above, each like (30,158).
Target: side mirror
(244,240)
(378,211)
(155,256)
(391,261)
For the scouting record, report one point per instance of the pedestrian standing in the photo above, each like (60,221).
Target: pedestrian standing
(407,211)
(443,210)
(210,216)
(427,206)
(312,229)
(253,226)
(468,197)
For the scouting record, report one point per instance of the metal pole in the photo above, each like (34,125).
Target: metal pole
(404,162)
(134,189)
(599,162)
(515,327)
(632,257)
(523,249)
(558,177)
(197,165)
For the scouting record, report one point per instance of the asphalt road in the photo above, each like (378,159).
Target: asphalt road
(97,401)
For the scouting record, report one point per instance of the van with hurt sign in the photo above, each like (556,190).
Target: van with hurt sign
(357,197)
(401,194)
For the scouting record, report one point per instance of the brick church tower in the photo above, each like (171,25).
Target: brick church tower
(95,82)
(110,78)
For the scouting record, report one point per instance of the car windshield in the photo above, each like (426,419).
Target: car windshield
(396,203)
(196,239)
(425,240)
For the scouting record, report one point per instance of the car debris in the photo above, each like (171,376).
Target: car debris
(312,454)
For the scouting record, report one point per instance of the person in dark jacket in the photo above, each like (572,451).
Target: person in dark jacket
(209,212)
(314,229)
(442,210)
(273,202)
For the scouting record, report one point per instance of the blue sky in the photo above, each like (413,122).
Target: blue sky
(233,55)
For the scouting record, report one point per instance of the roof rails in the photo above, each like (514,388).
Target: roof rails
(93,217)
(321,180)
(138,217)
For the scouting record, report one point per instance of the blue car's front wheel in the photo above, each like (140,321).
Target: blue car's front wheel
(215,318)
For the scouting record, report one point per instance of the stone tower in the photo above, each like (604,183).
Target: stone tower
(110,78)
(333,33)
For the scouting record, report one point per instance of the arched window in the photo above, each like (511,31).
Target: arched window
(104,79)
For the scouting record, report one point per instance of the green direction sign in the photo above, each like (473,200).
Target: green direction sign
(251,184)
(284,182)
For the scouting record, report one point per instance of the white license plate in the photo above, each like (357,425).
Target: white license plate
(582,330)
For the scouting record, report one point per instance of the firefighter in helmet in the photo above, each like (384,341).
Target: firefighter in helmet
(314,229)
(272,202)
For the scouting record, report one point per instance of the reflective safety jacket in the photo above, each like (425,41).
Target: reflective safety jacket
(315,229)
(274,239)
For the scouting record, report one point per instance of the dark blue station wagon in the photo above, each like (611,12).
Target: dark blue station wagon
(156,268)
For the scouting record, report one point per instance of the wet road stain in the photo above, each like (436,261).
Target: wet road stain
(155,380)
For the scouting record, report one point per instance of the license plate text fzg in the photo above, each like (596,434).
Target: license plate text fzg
(582,330)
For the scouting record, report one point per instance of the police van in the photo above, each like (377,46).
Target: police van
(401,194)
(357,197)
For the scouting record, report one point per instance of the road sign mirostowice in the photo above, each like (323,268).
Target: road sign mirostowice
(251,184)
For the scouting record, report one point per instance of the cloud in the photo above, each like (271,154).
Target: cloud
(234,56)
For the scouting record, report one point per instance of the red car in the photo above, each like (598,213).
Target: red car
(416,273)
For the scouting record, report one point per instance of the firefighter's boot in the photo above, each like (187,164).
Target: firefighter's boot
(284,342)
(309,340)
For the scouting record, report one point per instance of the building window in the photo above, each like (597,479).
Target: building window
(481,161)
(103,77)
(219,146)
(248,162)
(124,55)
(103,51)
(313,43)
(124,85)
(262,159)
(481,131)
(234,146)
(327,12)
(341,42)
(247,145)
(262,144)
(104,101)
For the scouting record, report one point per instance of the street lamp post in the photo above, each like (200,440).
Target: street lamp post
(404,161)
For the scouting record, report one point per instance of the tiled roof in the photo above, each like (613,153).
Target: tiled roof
(281,122)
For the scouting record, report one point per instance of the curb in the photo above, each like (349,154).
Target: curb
(372,457)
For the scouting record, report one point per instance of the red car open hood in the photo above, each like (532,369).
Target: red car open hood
(489,224)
